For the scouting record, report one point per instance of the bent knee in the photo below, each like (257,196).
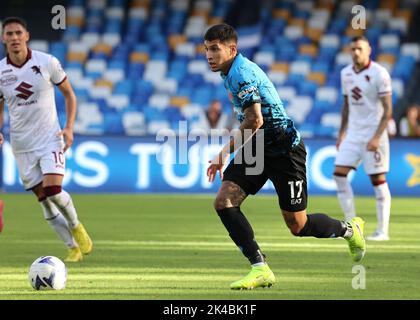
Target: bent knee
(338,175)
(295,229)
(220,203)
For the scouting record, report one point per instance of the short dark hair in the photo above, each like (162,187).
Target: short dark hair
(222,32)
(10,20)
(359,38)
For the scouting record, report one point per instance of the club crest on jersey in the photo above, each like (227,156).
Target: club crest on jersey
(36,69)
(367,78)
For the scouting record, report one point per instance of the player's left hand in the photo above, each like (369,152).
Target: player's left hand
(67,133)
(373,144)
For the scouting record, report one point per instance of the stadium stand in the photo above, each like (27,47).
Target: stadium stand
(138,66)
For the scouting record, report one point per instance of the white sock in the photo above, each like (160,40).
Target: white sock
(57,222)
(345,197)
(383,207)
(349,230)
(258,264)
(65,205)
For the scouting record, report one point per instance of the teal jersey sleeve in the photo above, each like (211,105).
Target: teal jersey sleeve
(248,84)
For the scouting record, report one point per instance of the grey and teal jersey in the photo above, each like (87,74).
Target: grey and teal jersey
(248,84)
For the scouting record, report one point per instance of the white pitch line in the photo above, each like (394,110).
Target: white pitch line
(321,244)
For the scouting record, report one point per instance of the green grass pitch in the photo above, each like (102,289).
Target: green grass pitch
(174,247)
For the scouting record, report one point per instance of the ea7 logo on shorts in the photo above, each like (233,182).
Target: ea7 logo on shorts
(296,201)
(23,88)
(356,93)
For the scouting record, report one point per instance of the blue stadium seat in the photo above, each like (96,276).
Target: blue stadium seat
(286,53)
(135,71)
(337,26)
(142,47)
(174,114)
(71,33)
(403,68)
(320,67)
(308,88)
(294,80)
(324,131)
(113,123)
(153,114)
(81,94)
(373,33)
(124,87)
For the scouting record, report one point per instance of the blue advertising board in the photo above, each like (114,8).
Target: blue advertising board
(144,165)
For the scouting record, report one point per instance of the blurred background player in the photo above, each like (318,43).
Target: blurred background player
(217,120)
(258,107)
(363,137)
(35,134)
(410,123)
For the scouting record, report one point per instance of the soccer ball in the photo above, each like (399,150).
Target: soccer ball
(48,273)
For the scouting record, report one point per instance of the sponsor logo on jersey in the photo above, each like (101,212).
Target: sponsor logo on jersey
(27,103)
(6,71)
(243,93)
(23,88)
(8,80)
(356,93)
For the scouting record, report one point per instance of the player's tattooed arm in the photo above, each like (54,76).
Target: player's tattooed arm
(386,102)
(344,121)
(253,120)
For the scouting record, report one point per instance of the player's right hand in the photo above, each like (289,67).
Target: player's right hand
(67,133)
(216,165)
(212,171)
(1,139)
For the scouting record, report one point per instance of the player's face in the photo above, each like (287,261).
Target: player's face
(219,54)
(360,52)
(15,37)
